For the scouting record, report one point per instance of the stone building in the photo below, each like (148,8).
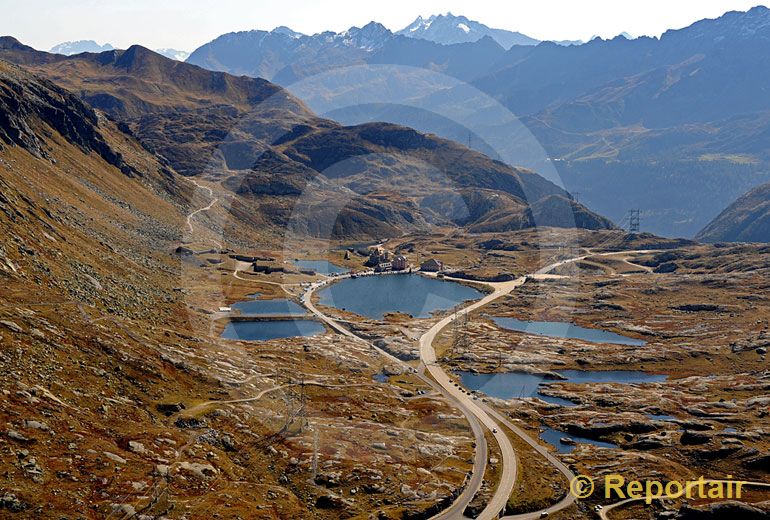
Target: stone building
(432,266)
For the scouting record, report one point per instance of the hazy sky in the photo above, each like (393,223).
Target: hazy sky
(186,24)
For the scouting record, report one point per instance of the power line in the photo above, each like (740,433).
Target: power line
(634,220)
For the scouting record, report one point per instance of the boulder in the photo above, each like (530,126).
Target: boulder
(331,501)
(11,326)
(201,471)
(136,447)
(10,503)
(761,463)
(690,438)
(169,409)
(115,458)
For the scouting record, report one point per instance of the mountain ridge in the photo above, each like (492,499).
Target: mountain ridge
(448,29)
(745,220)
(76,47)
(218,125)
(689,103)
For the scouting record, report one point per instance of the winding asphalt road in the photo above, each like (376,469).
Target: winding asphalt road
(472,485)
(428,358)
(490,417)
(476,412)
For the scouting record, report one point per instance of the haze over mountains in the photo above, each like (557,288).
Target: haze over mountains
(676,126)
(76,47)
(449,29)
(269,149)
(745,220)
(269,53)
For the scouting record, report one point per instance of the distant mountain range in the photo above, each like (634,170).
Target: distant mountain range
(174,54)
(76,47)
(284,55)
(275,155)
(677,126)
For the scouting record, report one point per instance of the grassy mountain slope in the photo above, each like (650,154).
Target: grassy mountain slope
(105,330)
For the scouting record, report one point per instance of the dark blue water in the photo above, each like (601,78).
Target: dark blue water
(556,329)
(375,296)
(380,377)
(511,385)
(661,417)
(265,330)
(554,437)
(320,266)
(278,307)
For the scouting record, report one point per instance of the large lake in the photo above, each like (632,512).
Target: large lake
(510,385)
(271,329)
(557,329)
(413,294)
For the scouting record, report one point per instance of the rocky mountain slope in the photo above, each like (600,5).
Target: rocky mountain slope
(111,380)
(64,167)
(686,112)
(269,149)
(745,220)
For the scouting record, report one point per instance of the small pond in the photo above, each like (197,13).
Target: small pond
(661,417)
(413,294)
(554,437)
(271,329)
(277,307)
(510,385)
(381,377)
(556,329)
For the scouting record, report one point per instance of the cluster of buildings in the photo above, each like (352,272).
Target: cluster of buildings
(383,261)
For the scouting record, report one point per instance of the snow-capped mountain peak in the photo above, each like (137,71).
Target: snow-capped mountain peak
(449,29)
(369,37)
(174,54)
(76,47)
(282,29)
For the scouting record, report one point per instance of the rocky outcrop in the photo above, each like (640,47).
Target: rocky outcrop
(29,103)
(761,462)
(690,438)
